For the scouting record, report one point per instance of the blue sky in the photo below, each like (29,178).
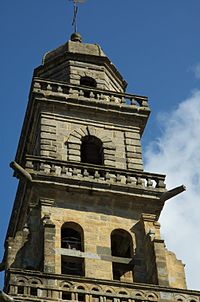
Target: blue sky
(156,46)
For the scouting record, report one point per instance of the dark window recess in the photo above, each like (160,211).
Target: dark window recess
(121,246)
(88,81)
(33,291)
(81,297)
(72,266)
(70,239)
(66,295)
(20,290)
(92,150)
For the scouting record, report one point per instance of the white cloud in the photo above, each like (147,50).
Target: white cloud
(177,154)
(196,70)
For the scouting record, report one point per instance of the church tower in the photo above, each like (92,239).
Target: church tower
(84,225)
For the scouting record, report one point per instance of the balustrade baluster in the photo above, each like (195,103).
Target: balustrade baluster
(60,89)
(160,184)
(37,85)
(81,92)
(92,94)
(74,171)
(96,174)
(85,173)
(118,178)
(29,164)
(128,179)
(107,177)
(42,167)
(144,103)
(133,102)
(149,182)
(63,170)
(49,87)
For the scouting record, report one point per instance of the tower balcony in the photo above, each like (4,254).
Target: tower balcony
(69,92)
(24,285)
(95,176)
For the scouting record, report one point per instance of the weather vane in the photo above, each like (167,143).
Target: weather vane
(74,22)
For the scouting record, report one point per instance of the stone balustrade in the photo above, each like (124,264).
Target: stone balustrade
(74,91)
(75,170)
(35,286)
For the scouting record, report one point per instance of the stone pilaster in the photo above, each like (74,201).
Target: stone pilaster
(49,245)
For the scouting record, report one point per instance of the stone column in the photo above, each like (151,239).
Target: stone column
(154,251)
(49,245)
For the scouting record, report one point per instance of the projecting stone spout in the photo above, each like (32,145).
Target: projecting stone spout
(171,193)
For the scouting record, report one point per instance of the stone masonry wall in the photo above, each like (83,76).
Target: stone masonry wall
(61,139)
(97,227)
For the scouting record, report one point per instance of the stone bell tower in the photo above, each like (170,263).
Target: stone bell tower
(84,225)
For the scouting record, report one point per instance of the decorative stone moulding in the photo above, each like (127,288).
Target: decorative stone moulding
(74,145)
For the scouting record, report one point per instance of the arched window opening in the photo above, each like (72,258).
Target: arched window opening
(122,246)
(123,299)
(88,82)
(95,298)
(109,298)
(81,295)
(92,150)
(72,238)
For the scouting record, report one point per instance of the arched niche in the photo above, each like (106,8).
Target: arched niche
(122,247)
(92,150)
(72,236)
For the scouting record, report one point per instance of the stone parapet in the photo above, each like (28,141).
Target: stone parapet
(66,91)
(39,166)
(37,286)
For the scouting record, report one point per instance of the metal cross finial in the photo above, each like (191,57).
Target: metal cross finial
(74,22)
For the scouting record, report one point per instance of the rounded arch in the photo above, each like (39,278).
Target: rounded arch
(65,285)
(88,81)
(35,281)
(139,294)
(180,298)
(152,296)
(72,236)
(96,288)
(122,246)
(121,243)
(92,150)
(122,292)
(76,138)
(110,290)
(21,280)
(81,287)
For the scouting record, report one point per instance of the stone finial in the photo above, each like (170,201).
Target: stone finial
(76,37)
